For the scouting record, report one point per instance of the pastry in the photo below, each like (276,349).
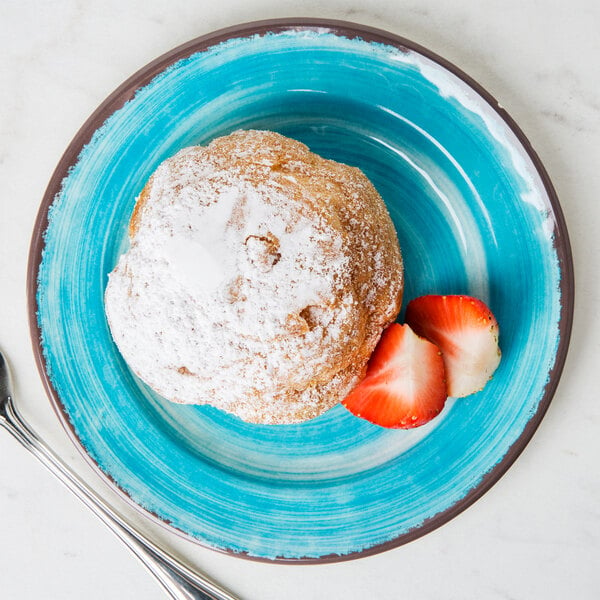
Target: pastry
(258,279)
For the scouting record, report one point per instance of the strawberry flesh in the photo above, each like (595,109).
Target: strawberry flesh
(405,383)
(466,332)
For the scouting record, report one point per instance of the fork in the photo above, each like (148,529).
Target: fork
(180,582)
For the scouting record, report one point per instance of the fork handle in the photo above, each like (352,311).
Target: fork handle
(178,581)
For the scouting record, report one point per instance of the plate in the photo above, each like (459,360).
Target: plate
(475,213)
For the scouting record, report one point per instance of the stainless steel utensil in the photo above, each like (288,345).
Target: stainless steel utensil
(179,581)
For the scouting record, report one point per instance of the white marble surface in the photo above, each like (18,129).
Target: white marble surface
(536,534)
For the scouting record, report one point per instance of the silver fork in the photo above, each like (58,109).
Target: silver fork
(179,581)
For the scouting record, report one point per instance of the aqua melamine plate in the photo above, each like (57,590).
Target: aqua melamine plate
(475,214)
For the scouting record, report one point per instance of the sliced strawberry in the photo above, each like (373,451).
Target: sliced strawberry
(405,384)
(466,332)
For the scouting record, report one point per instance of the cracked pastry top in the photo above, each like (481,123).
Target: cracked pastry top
(258,279)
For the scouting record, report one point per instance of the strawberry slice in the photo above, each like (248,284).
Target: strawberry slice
(466,332)
(405,384)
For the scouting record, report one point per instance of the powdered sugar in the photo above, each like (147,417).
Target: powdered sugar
(234,291)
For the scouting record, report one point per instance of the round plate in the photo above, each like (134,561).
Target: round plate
(475,214)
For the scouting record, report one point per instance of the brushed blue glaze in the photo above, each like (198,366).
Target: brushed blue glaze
(471,215)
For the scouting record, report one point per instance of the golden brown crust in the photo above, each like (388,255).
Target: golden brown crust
(344,197)
(136,216)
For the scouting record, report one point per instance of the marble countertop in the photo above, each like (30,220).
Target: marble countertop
(536,533)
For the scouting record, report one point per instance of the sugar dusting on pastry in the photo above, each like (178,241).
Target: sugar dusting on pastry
(259,278)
